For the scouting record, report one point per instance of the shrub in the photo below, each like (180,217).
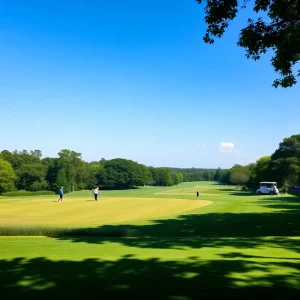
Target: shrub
(27,193)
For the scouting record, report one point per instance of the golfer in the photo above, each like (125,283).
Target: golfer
(197,194)
(61,194)
(96,192)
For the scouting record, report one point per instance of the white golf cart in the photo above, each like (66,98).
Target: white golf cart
(268,188)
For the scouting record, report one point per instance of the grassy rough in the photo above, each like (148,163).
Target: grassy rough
(23,193)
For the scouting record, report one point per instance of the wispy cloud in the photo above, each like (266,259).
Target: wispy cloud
(226,147)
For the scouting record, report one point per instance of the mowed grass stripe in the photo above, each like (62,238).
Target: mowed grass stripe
(83,212)
(48,267)
(182,248)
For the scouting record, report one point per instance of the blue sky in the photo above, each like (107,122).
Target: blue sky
(134,79)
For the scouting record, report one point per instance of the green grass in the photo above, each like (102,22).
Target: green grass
(22,193)
(242,245)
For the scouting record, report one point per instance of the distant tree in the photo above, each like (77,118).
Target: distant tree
(94,174)
(154,175)
(175,178)
(218,175)
(165,177)
(61,180)
(253,179)
(188,177)
(72,163)
(239,175)
(121,174)
(200,176)
(277,29)
(31,177)
(226,177)
(7,176)
(52,167)
(286,160)
(7,155)
(146,175)
(194,174)
(208,176)
(180,177)
(36,153)
(18,158)
(263,169)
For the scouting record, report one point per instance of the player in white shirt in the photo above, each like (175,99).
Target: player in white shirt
(96,192)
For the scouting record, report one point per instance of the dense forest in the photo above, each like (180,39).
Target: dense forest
(195,174)
(27,170)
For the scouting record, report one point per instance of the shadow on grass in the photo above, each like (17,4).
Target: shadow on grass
(290,204)
(211,230)
(193,230)
(242,193)
(241,230)
(130,278)
(231,191)
(217,191)
(233,274)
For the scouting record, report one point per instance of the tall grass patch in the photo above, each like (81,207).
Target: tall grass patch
(49,231)
(22,193)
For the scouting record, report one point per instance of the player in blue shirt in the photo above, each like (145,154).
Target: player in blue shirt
(61,194)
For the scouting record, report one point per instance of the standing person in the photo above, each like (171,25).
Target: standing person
(286,190)
(61,194)
(198,194)
(96,192)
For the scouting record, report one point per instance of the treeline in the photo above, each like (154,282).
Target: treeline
(196,174)
(283,167)
(27,170)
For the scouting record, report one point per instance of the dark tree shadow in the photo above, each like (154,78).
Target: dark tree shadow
(241,230)
(130,278)
(243,193)
(283,203)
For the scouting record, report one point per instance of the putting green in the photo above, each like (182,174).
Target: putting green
(189,191)
(86,212)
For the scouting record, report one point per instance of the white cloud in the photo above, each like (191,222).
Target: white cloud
(226,147)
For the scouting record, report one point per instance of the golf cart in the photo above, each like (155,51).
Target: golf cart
(268,188)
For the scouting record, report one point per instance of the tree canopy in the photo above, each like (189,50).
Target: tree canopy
(7,176)
(27,170)
(283,166)
(32,177)
(286,159)
(239,175)
(277,28)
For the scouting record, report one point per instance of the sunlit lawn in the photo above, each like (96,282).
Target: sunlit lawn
(229,243)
